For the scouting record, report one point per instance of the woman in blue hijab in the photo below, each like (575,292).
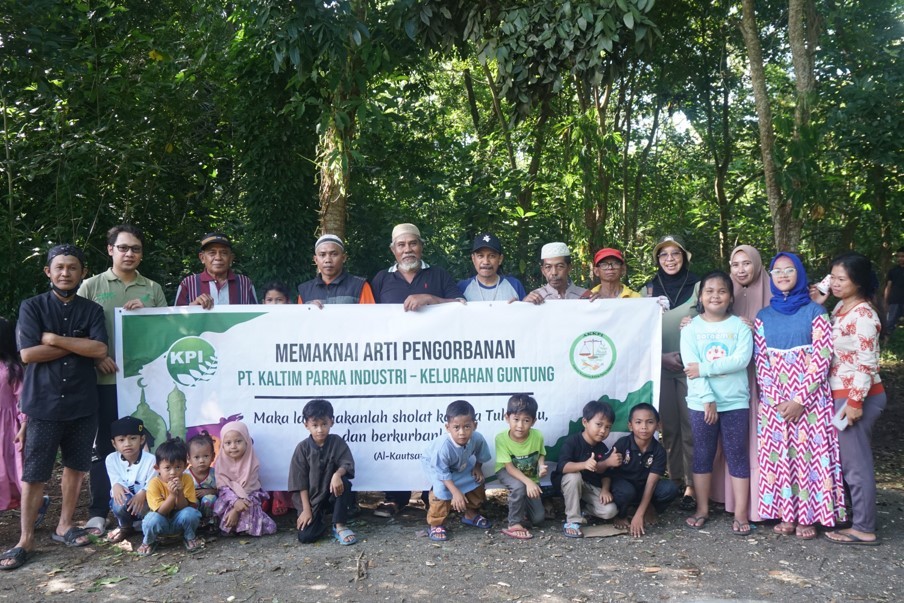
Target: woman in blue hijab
(797,446)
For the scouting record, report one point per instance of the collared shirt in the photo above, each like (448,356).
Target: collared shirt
(111,292)
(134,477)
(344,289)
(625,292)
(637,465)
(63,389)
(238,289)
(390,287)
(572,292)
(312,467)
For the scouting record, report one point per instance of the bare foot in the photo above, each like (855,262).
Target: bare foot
(651,517)
(621,523)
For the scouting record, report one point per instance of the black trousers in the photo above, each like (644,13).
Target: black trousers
(107,412)
(318,527)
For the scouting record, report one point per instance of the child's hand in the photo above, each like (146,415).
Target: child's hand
(136,505)
(614,459)
(477,474)
(543,469)
(119,494)
(636,527)
(304,519)
(533,490)
(459,503)
(241,505)
(232,518)
(174,486)
(710,416)
(692,370)
(336,486)
(205,491)
(590,464)
(606,496)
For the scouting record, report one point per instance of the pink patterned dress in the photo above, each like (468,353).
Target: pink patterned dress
(800,470)
(10,453)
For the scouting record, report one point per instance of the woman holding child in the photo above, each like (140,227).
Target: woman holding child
(800,471)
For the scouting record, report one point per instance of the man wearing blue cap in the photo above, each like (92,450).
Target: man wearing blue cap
(60,336)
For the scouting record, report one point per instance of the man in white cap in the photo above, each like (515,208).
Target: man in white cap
(217,284)
(489,284)
(412,281)
(333,285)
(555,264)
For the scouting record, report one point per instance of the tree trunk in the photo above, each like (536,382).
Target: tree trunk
(334,180)
(786,230)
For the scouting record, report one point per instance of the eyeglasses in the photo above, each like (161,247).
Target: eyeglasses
(608,265)
(669,255)
(782,271)
(128,248)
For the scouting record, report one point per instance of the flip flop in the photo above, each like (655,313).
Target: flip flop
(71,537)
(342,536)
(518,533)
(437,534)
(737,525)
(784,531)
(799,532)
(572,530)
(850,539)
(18,555)
(42,513)
(96,526)
(194,545)
(696,522)
(479,521)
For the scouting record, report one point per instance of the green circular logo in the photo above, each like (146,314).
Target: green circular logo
(592,354)
(191,360)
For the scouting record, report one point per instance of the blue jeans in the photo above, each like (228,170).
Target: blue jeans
(184,522)
(124,517)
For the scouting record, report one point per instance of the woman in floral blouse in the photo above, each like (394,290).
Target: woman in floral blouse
(856,386)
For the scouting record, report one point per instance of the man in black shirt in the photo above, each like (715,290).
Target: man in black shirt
(60,336)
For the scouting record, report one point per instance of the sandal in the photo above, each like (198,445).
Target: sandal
(18,555)
(572,530)
(120,534)
(518,533)
(345,536)
(72,538)
(846,538)
(96,526)
(146,549)
(784,528)
(194,545)
(437,534)
(478,521)
(696,522)
(738,528)
(805,532)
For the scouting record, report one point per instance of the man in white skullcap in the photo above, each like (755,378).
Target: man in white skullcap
(555,264)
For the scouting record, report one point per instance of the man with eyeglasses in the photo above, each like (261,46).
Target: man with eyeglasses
(555,264)
(121,286)
(217,284)
(609,267)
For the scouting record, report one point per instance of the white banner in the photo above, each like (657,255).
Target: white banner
(389,374)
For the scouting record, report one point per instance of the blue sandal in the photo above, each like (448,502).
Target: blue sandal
(479,521)
(342,536)
(437,534)
(572,530)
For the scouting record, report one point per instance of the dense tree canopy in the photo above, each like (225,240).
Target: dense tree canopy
(596,122)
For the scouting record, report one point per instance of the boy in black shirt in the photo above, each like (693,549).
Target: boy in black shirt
(582,470)
(636,481)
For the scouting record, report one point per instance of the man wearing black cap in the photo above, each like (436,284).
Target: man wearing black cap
(218,284)
(59,335)
(488,284)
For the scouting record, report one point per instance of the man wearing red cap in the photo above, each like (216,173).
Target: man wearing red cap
(609,267)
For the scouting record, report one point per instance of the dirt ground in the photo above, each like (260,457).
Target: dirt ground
(393,561)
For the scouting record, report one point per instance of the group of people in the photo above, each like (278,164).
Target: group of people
(770,418)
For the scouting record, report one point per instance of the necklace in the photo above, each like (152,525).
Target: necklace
(495,287)
(673,303)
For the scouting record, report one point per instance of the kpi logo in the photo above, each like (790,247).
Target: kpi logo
(191,360)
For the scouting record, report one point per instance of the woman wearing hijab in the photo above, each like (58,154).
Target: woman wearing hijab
(797,446)
(751,294)
(675,282)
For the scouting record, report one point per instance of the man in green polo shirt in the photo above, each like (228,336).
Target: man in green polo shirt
(122,286)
